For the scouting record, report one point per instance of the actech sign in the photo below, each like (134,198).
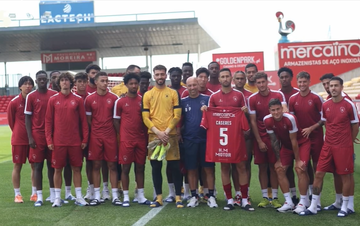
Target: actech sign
(238,61)
(319,58)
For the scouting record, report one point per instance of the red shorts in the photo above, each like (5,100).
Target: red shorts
(64,154)
(41,152)
(264,157)
(317,143)
(132,151)
(20,153)
(287,156)
(339,159)
(103,149)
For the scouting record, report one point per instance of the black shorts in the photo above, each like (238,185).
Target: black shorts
(194,155)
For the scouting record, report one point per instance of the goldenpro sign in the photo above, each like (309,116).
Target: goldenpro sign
(66,12)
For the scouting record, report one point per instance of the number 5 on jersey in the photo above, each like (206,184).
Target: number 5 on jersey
(223,137)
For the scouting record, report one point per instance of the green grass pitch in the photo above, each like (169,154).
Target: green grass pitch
(26,214)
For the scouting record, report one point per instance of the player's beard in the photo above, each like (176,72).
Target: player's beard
(160,82)
(92,81)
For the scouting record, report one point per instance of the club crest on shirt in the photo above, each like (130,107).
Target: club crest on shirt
(37,100)
(125,158)
(126,105)
(235,98)
(284,126)
(140,104)
(72,102)
(54,162)
(342,109)
(310,102)
(58,102)
(202,102)
(220,100)
(187,108)
(16,157)
(108,101)
(34,156)
(258,103)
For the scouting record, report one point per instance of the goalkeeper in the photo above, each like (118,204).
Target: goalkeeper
(161,112)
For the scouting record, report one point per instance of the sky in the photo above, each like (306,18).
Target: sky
(237,26)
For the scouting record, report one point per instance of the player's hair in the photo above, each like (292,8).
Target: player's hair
(175,69)
(81,76)
(131,68)
(100,73)
(225,69)
(40,72)
(68,76)
(159,68)
(286,69)
(337,79)
(303,74)
(26,79)
(187,64)
(213,62)
(274,101)
(145,74)
(54,72)
(202,70)
(251,65)
(131,75)
(92,66)
(260,75)
(239,72)
(327,76)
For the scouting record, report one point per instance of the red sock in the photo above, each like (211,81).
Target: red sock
(227,189)
(244,191)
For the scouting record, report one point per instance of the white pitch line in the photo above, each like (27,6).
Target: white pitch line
(5,161)
(150,215)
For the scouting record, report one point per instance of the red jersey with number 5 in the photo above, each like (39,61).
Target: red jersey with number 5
(225,138)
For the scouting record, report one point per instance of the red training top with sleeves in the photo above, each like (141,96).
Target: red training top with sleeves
(342,94)
(289,94)
(128,110)
(234,98)
(90,89)
(101,110)
(259,106)
(83,96)
(338,117)
(206,92)
(308,110)
(36,105)
(247,93)
(65,118)
(225,137)
(213,88)
(287,124)
(16,120)
(180,90)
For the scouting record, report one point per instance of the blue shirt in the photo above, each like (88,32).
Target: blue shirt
(192,116)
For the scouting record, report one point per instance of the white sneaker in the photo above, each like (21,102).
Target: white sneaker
(285,208)
(81,202)
(48,199)
(169,199)
(105,195)
(193,202)
(212,202)
(299,208)
(57,203)
(70,198)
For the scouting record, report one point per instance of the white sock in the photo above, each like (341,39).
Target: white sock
(78,192)
(351,203)
(52,194)
(126,195)
(97,193)
(230,201)
(319,201)
(57,193)
(17,191)
(288,198)
(274,193)
(33,189)
(171,189)
(314,202)
(265,193)
(197,191)
(105,186)
(115,193)
(154,193)
(338,198)
(237,193)
(310,189)
(39,195)
(141,197)
(67,191)
(304,200)
(88,183)
(248,191)
(344,205)
(244,202)
(91,188)
(293,192)
(186,190)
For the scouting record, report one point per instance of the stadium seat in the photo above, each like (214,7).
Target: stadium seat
(355,80)
(348,84)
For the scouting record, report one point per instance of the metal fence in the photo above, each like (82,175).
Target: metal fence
(9,84)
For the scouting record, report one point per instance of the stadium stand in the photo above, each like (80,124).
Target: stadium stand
(4,101)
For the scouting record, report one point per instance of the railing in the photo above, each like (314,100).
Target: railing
(115,18)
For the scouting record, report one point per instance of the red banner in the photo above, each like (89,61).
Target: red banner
(50,58)
(319,58)
(3,119)
(238,61)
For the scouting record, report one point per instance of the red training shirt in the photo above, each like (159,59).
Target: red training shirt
(65,121)
(234,98)
(101,110)
(213,88)
(342,94)
(287,124)
(36,105)
(83,96)
(289,94)
(259,106)
(206,92)
(90,89)
(16,120)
